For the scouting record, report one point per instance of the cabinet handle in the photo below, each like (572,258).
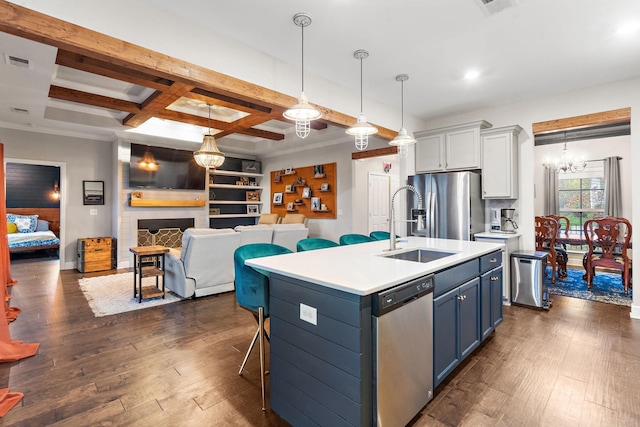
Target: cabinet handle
(494,278)
(492,260)
(462,297)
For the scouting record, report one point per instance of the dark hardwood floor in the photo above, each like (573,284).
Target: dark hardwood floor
(575,365)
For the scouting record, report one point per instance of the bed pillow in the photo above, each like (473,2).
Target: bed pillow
(25,223)
(42,225)
(11,228)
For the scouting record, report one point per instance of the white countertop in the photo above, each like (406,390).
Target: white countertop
(498,235)
(362,269)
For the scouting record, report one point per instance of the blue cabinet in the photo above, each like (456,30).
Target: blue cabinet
(456,319)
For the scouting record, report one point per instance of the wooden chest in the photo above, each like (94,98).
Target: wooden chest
(96,254)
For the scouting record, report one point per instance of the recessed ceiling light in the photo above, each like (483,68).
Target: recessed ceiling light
(472,75)
(628,28)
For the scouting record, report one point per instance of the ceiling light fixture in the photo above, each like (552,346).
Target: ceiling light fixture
(472,75)
(303,112)
(148,162)
(566,163)
(209,156)
(361,130)
(404,139)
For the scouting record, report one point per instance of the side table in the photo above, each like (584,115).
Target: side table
(156,253)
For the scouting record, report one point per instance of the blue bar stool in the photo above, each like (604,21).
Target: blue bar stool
(379,235)
(252,293)
(313,243)
(352,239)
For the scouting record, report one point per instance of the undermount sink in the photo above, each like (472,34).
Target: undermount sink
(420,255)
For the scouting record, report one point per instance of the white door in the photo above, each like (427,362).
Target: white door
(381,187)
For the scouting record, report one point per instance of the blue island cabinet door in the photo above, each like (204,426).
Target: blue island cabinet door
(486,305)
(446,350)
(496,279)
(469,317)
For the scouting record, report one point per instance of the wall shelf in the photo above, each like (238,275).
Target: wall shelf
(235,216)
(161,203)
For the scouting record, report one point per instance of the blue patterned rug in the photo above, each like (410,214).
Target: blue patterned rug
(606,287)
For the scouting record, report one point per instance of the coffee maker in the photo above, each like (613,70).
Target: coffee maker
(507,224)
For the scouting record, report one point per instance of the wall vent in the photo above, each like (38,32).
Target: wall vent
(19,110)
(17,61)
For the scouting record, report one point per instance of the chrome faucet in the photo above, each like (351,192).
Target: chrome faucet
(392,226)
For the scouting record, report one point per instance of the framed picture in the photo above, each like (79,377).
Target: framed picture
(251,166)
(315,203)
(277,198)
(93,192)
(214,211)
(252,209)
(288,188)
(306,192)
(324,186)
(290,206)
(252,196)
(318,171)
(288,171)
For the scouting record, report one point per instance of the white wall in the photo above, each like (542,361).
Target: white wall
(85,160)
(592,100)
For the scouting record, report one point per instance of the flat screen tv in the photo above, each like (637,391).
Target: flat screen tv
(176,169)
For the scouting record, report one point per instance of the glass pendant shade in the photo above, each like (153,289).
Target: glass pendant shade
(209,156)
(302,113)
(148,162)
(403,138)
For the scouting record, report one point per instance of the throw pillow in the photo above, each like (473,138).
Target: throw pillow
(42,225)
(12,228)
(25,223)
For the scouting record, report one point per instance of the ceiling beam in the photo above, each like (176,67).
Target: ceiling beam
(621,115)
(376,152)
(78,96)
(32,25)
(156,104)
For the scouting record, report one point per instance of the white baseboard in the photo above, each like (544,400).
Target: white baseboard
(635,311)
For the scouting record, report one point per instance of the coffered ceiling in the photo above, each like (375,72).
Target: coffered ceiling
(88,81)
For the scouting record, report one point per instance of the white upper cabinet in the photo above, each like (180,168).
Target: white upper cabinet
(500,162)
(450,148)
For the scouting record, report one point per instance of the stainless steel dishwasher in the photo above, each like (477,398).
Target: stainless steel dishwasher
(403,351)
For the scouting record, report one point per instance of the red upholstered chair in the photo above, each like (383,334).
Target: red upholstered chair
(608,239)
(546,231)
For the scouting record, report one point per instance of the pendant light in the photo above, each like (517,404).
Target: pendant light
(361,130)
(403,139)
(209,156)
(303,112)
(148,162)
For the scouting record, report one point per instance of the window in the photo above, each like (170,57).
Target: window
(581,196)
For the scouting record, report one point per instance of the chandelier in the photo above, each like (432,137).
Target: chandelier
(566,163)
(361,129)
(303,112)
(209,156)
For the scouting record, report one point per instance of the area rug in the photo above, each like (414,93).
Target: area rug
(113,294)
(606,287)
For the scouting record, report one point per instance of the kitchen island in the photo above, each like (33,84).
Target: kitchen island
(321,351)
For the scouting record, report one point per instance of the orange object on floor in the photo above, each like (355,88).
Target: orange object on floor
(8,400)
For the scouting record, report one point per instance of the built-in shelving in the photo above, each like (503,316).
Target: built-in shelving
(161,203)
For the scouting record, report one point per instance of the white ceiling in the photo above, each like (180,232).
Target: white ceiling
(531,49)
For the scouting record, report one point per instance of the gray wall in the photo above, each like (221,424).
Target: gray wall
(82,159)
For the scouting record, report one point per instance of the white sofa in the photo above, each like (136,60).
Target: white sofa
(204,265)
(288,235)
(254,233)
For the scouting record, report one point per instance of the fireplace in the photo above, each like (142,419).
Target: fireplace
(165,232)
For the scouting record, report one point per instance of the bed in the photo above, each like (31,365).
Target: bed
(42,233)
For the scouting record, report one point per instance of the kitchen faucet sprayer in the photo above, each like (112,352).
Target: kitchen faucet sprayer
(392,226)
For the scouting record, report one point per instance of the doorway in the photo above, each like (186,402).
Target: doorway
(381,187)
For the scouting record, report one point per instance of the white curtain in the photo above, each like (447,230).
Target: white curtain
(612,190)
(551,201)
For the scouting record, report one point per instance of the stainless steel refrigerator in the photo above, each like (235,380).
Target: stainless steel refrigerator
(453,205)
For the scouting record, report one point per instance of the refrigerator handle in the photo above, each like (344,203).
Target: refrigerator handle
(434,227)
(427,216)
